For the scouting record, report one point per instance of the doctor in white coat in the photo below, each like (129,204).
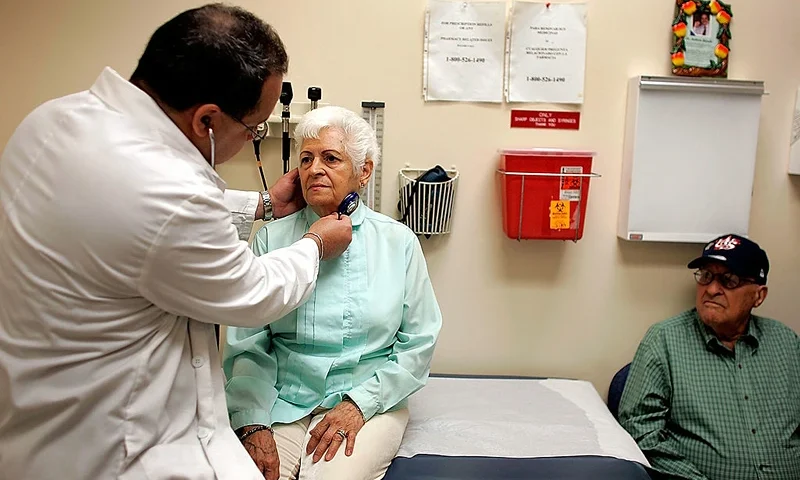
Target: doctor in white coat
(118,254)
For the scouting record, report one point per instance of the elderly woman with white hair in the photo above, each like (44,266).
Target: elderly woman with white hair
(321,393)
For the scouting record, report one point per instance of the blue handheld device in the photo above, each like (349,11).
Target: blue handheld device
(349,204)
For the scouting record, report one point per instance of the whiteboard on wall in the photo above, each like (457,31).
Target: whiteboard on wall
(688,159)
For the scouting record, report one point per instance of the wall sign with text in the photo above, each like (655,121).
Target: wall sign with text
(547,53)
(545,119)
(701,35)
(464,51)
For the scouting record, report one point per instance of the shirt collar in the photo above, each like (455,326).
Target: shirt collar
(128,99)
(752,336)
(357,218)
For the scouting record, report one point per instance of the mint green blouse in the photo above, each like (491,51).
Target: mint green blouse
(367,332)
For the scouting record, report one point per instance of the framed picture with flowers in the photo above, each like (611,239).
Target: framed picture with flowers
(701,34)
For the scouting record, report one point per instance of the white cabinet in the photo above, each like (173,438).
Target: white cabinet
(689,158)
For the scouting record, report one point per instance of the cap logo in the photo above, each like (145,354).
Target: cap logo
(761,274)
(727,243)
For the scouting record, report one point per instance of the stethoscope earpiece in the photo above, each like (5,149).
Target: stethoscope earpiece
(213,146)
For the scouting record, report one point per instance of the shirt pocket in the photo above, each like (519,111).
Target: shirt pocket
(177,462)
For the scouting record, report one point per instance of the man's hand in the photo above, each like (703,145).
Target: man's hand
(324,437)
(336,234)
(286,195)
(262,449)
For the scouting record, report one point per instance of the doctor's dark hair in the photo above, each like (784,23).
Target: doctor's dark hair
(212,54)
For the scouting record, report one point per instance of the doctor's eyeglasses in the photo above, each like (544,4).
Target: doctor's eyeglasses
(259,132)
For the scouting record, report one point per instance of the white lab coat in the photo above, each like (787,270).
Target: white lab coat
(117,253)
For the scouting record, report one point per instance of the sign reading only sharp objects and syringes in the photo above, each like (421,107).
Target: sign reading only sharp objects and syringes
(545,119)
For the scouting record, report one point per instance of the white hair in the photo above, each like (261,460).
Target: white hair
(360,142)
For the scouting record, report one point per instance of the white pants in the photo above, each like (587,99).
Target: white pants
(376,445)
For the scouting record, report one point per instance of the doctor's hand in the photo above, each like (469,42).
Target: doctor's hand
(344,419)
(336,234)
(262,449)
(286,195)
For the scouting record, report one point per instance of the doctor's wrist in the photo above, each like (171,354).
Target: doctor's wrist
(264,209)
(318,240)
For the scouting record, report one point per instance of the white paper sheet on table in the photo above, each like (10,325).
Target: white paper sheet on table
(547,53)
(464,51)
(513,419)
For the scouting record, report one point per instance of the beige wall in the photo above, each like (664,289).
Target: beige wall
(532,308)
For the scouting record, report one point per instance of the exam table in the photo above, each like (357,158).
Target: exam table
(507,428)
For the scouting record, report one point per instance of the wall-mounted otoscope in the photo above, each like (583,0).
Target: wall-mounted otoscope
(314,95)
(286,99)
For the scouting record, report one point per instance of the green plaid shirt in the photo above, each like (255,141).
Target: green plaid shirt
(700,411)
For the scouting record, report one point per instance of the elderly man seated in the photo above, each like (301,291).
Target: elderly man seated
(714,393)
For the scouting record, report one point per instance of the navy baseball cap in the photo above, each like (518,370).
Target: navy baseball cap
(742,256)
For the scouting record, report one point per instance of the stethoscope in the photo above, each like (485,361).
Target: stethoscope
(256,148)
(348,205)
(213,147)
(207,122)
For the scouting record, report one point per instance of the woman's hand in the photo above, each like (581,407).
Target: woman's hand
(262,449)
(345,418)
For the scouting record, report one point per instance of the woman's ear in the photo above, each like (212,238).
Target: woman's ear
(366,172)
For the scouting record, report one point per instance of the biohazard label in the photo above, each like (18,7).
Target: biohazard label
(559,214)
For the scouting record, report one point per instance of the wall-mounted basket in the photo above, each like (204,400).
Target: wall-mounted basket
(426,199)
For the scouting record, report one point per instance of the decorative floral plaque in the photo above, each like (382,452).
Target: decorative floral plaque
(701,35)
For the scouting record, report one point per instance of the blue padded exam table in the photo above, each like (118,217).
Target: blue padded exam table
(513,428)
